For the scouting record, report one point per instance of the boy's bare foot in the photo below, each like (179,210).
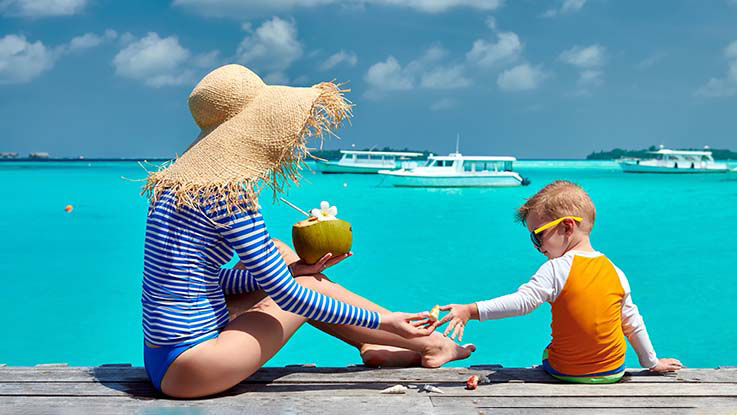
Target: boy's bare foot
(444,350)
(388,356)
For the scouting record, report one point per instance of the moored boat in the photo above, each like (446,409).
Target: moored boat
(674,161)
(457,170)
(370,162)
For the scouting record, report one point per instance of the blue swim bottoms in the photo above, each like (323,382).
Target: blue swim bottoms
(157,359)
(611,376)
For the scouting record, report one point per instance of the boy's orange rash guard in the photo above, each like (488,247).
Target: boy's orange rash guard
(587,319)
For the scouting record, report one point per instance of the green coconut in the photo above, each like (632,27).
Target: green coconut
(312,239)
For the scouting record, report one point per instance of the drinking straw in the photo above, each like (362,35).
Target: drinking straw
(295,207)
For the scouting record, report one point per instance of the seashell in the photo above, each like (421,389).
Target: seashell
(395,390)
(435,313)
(472,382)
(430,388)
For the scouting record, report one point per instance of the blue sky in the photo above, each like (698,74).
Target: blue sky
(529,78)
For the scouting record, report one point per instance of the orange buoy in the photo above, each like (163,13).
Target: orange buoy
(68,208)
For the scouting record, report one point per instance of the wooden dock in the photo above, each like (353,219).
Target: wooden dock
(121,389)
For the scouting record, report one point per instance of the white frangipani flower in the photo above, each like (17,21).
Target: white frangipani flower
(326,212)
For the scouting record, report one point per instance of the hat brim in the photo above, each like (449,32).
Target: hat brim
(262,144)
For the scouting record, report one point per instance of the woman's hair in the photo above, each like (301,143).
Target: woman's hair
(558,199)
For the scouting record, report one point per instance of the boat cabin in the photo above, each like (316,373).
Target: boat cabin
(682,155)
(386,159)
(472,164)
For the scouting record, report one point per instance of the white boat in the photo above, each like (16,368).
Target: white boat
(674,161)
(457,170)
(354,161)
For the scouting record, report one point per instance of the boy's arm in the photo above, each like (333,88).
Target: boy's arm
(542,287)
(633,327)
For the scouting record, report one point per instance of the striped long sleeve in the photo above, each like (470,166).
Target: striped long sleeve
(246,233)
(236,281)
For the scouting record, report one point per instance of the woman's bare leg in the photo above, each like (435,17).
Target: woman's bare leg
(380,348)
(246,343)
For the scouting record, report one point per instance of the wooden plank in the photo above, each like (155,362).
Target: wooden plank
(354,374)
(145,390)
(267,405)
(675,402)
(340,405)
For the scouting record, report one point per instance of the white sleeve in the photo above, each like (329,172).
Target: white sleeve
(633,327)
(544,286)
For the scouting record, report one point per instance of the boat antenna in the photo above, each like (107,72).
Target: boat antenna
(458,139)
(295,207)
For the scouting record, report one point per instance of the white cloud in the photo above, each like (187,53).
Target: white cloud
(21,60)
(584,57)
(589,60)
(388,76)
(570,6)
(428,71)
(271,48)
(590,77)
(155,61)
(208,60)
(507,48)
(239,8)
(127,38)
(567,7)
(491,22)
(90,40)
(521,78)
(651,60)
(444,77)
(437,6)
(718,87)
(730,52)
(349,58)
(41,8)
(726,86)
(443,104)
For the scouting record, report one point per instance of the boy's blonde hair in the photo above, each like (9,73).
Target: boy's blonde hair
(558,199)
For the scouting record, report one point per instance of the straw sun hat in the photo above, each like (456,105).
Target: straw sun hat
(252,134)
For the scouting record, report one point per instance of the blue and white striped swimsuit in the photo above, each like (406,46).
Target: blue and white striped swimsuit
(184,285)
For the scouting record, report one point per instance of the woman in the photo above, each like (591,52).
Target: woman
(204,206)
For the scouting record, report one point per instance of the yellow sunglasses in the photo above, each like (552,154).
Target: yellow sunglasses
(534,234)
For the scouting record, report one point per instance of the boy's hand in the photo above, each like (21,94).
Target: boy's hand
(328,260)
(667,365)
(406,325)
(458,315)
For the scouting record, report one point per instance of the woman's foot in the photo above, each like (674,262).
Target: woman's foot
(374,355)
(443,350)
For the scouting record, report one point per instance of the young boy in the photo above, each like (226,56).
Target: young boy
(590,297)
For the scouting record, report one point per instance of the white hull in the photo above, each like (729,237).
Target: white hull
(333,167)
(398,179)
(671,167)
(336,167)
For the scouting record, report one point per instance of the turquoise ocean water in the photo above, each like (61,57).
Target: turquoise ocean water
(71,281)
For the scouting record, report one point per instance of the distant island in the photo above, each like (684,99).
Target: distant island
(718,154)
(43,156)
(335,154)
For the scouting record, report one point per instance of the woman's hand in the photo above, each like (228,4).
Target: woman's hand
(328,260)
(458,315)
(667,365)
(406,325)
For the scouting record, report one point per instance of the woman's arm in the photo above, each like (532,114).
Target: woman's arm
(236,280)
(246,233)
